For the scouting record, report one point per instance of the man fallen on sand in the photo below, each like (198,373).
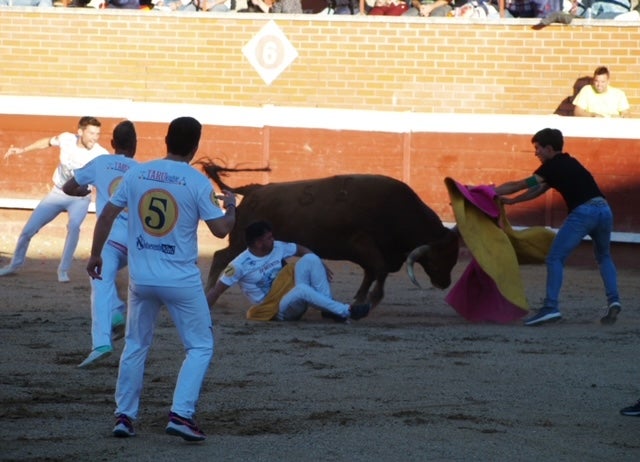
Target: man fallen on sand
(278,290)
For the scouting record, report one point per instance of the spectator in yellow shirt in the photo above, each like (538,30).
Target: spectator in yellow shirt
(601,99)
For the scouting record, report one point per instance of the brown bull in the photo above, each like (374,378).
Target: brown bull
(374,221)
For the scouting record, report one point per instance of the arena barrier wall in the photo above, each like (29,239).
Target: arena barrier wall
(417,99)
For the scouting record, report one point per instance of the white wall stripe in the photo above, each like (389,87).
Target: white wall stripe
(321,118)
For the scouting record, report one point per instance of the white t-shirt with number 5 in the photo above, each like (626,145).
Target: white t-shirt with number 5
(166,200)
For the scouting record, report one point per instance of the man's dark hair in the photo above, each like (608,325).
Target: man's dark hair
(601,71)
(183,136)
(255,231)
(549,137)
(125,139)
(85,121)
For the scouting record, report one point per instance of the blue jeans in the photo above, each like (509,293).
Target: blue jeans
(594,219)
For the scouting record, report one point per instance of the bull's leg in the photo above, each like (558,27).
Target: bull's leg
(361,294)
(377,293)
(221,259)
(372,261)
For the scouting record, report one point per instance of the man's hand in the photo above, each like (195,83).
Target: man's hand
(228,199)
(12,151)
(94,267)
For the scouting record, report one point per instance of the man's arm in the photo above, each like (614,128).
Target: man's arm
(42,143)
(301,250)
(222,226)
(580,112)
(214,294)
(534,185)
(531,193)
(511,187)
(100,234)
(72,188)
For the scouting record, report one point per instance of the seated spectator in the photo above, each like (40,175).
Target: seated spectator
(315,6)
(348,6)
(600,99)
(175,5)
(32,3)
(609,9)
(389,8)
(600,9)
(521,8)
(533,8)
(431,8)
(278,6)
(217,6)
(475,9)
(123,4)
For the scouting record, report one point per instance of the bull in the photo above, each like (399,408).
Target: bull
(374,221)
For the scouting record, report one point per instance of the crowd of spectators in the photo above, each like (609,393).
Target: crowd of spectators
(592,9)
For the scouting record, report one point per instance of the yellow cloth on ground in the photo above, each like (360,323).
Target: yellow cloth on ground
(531,244)
(498,251)
(269,307)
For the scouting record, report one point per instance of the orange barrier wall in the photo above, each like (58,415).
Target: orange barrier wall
(422,160)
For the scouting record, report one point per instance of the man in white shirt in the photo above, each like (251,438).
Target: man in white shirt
(601,99)
(256,269)
(105,173)
(166,199)
(75,151)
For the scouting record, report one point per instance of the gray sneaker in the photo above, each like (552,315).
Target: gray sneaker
(633,411)
(7,270)
(612,314)
(543,316)
(123,427)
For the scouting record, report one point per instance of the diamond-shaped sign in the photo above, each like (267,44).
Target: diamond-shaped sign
(270,52)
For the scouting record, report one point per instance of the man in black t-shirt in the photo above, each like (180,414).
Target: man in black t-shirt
(589,215)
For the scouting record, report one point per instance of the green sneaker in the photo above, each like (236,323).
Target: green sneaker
(95,356)
(117,326)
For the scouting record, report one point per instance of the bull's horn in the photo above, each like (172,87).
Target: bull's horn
(415,254)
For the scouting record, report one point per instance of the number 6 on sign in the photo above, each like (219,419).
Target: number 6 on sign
(270,52)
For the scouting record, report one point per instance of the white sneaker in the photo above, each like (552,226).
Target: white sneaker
(6,270)
(63,276)
(95,356)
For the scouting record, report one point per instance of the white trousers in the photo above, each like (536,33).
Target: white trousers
(49,208)
(105,301)
(190,313)
(311,288)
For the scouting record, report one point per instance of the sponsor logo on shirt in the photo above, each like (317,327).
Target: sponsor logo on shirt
(141,244)
(162,177)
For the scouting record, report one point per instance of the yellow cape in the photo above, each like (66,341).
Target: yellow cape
(269,307)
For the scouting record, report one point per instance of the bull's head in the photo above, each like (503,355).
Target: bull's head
(437,259)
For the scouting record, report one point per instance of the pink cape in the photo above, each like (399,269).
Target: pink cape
(477,299)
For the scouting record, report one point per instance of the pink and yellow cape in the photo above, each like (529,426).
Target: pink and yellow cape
(491,288)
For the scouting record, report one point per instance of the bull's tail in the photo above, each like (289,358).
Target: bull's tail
(215,172)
